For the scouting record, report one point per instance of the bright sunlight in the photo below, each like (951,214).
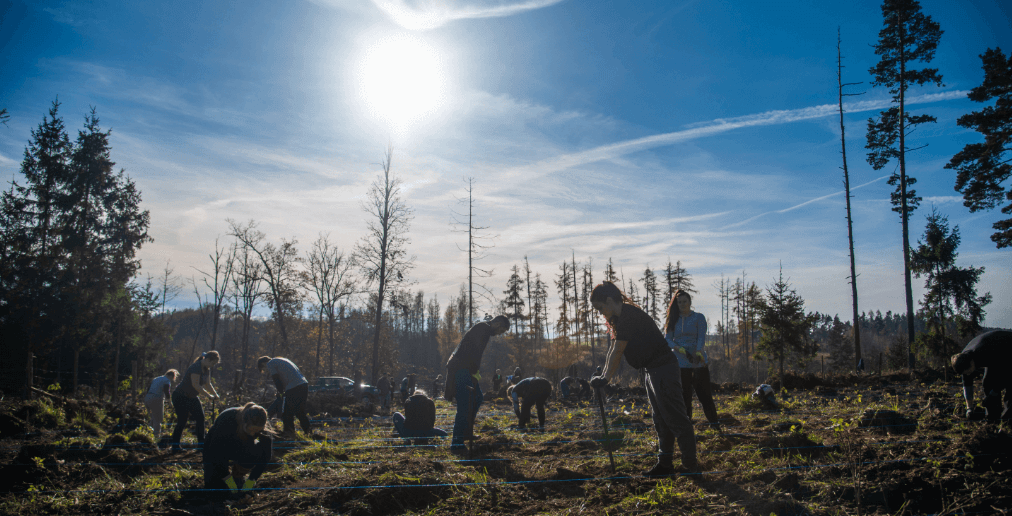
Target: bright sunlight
(402,79)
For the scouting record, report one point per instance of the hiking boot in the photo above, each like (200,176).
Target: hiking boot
(661,469)
(689,468)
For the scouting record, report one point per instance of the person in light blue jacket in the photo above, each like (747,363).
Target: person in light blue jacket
(685,332)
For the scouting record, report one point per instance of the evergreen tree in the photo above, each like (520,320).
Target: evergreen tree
(840,346)
(908,37)
(677,278)
(950,291)
(785,326)
(563,282)
(982,168)
(514,302)
(650,294)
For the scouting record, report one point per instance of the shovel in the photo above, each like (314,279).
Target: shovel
(604,422)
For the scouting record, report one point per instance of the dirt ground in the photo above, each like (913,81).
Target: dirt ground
(837,445)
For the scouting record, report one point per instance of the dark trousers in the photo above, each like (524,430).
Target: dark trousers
(187,408)
(993,385)
(467,407)
(698,379)
(667,406)
(295,407)
(420,436)
(525,410)
(252,459)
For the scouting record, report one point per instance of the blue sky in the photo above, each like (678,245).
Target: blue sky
(641,131)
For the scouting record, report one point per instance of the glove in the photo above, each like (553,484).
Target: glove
(598,381)
(682,351)
(248,484)
(230,482)
(699,355)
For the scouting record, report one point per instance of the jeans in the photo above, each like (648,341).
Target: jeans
(406,433)
(295,407)
(467,407)
(156,411)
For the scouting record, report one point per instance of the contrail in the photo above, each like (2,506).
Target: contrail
(720,125)
(796,206)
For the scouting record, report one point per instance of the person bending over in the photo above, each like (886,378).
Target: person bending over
(418,419)
(567,385)
(991,353)
(185,402)
(159,391)
(636,337)
(685,332)
(293,387)
(238,443)
(530,392)
(462,376)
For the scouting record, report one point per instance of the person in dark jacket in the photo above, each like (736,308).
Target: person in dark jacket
(991,353)
(636,337)
(437,385)
(526,393)
(237,444)
(462,376)
(293,387)
(567,385)
(585,390)
(418,419)
(185,402)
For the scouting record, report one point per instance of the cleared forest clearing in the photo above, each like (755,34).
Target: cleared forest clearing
(888,443)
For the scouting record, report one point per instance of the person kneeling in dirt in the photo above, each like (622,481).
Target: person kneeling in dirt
(765,394)
(533,391)
(567,385)
(238,438)
(991,350)
(462,377)
(418,419)
(293,387)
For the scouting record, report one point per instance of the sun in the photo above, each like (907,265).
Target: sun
(402,79)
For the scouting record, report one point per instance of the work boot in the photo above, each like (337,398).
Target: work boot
(689,468)
(663,468)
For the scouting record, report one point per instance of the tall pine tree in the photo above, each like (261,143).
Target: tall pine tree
(908,37)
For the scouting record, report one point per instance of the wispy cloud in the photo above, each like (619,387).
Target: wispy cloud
(796,206)
(430,14)
(720,125)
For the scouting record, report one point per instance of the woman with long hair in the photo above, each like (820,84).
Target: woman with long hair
(636,337)
(685,332)
(238,443)
(185,402)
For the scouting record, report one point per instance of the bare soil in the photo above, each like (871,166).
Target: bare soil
(838,445)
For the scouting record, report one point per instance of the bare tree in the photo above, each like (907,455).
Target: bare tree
(328,276)
(382,254)
(278,269)
(247,290)
(477,245)
(170,287)
(846,186)
(217,281)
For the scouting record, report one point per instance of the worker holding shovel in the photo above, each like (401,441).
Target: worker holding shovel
(636,337)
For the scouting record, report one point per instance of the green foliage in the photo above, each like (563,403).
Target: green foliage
(785,326)
(982,168)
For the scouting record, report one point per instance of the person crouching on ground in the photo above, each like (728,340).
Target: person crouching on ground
(238,438)
(293,387)
(462,376)
(159,391)
(185,402)
(635,336)
(567,385)
(530,392)
(418,419)
(992,353)
(685,332)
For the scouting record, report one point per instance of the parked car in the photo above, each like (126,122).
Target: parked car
(339,384)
